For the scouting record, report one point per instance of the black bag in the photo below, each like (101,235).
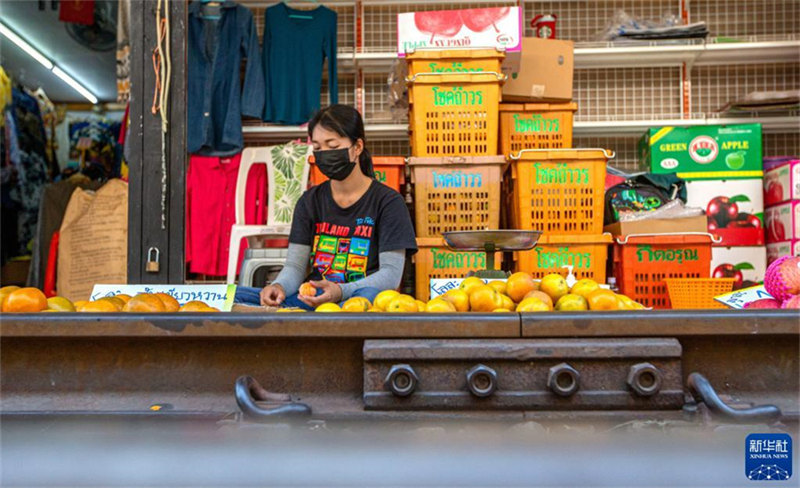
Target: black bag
(642,193)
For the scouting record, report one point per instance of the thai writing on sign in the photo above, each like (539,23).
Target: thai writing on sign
(670,255)
(218,296)
(453,68)
(457,179)
(535,123)
(456,96)
(443,259)
(562,257)
(561,174)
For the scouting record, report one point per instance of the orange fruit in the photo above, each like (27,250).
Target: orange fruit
(484,298)
(572,303)
(554,285)
(307,290)
(375,310)
(459,299)
(541,296)
(627,303)
(4,292)
(328,307)
(79,304)
(356,304)
(123,297)
(501,310)
(196,306)
(602,299)
(421,306)
(289,310)
(584,287)
(533,304)
(518,285)
(25,300)
(383,299)
(499,286)
(116,301)
(508,302)
(60,304)
(144,302)
(98,306)
(439,305)
(469,284)
(170,304)
(401,304)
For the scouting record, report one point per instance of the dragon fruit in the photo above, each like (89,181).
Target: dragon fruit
(782,279)
(793,302)
(763,303)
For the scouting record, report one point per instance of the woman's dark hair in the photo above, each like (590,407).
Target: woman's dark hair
(347,122)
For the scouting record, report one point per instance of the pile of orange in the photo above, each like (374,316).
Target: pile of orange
(26,300)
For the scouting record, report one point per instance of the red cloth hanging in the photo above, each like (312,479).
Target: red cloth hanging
(76,11)
(50,272)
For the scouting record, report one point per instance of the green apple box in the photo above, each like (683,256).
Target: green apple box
(709,152)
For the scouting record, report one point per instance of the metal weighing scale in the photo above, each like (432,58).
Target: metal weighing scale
(491,241)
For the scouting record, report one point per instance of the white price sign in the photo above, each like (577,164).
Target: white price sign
(739,298)
(217,296)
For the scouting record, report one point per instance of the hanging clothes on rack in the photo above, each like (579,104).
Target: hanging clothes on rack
(50,121)
(296,44)
(123,51)
(5,93)
(215,102)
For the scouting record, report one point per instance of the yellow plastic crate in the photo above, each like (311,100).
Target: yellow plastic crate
(435,260)
(457,193)
(454,114)
(697,293)
(535,126)
(454,61)
(587,254)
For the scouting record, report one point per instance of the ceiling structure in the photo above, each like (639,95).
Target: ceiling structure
(42,29)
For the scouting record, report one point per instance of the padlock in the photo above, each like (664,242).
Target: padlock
(152,265)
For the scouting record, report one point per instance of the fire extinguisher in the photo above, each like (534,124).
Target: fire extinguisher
(544,26)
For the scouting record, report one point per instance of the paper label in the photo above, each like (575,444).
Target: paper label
(217,296)
(738,299)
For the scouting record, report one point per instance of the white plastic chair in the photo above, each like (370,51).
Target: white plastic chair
(280,201)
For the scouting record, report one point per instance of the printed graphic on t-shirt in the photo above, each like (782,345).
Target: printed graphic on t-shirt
(341,252)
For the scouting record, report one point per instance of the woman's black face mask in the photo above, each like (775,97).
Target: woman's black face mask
(334,163)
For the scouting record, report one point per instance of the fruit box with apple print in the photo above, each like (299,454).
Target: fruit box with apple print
(783,222)
(746,265)
(711,152)
(734,209)
(777,250)
(781,180)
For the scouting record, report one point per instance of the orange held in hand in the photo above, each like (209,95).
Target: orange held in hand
(307,290)
(25,300)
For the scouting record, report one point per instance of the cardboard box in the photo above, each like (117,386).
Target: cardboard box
(709,152)
(499,27)
(658,226)
(746,264)
(781,180)
(545,72)
(783,221)
(734,209)
(777,250)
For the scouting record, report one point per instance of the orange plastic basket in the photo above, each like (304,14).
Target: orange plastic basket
(643,262)
(454,114)
(461,193)
(389,170)
(559,191)
(588,256)
(697,293)
(435,260)
(535,126)
(454,61)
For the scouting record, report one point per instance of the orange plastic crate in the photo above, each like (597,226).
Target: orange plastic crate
(588,256)
(454,61)
(535,126)
(458,193)
(559,191)
(454,114)
(643,262)
(697,293)
(389,170)
(435,260)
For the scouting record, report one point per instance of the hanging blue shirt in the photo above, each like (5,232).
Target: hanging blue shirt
(296,43)
(215,102)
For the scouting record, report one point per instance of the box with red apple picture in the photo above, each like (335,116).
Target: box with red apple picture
(781,180)
(782,221)
(777,250)
(734,209)
(746,264)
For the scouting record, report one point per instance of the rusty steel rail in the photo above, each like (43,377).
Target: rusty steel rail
(106,363)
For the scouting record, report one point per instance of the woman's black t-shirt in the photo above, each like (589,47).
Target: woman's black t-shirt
(345,242)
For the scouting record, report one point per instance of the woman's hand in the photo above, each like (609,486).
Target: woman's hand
(331,292)
(273,295)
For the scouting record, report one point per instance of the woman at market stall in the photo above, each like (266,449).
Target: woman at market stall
(353,231)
